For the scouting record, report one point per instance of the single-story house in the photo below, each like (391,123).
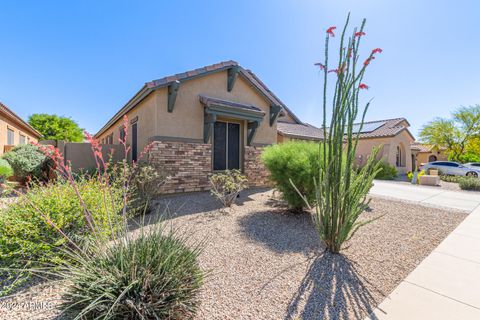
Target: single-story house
(393,134)
(14,130)
(428,153)
(213,118)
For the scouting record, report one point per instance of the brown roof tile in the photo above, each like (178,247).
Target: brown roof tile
(371,129)
(299,131)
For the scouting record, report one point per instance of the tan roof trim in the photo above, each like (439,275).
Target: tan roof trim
(151,86)
(8,113)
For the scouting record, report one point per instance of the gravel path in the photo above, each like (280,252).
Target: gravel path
(267,263)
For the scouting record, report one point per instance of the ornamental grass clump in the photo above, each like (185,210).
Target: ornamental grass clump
(150,276)
(340,190)
(151,273)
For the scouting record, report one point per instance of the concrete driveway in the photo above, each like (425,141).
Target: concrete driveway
(463,200)
(446,285)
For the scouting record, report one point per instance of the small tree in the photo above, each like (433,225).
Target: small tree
(459,135)
(53,127)
(340,191)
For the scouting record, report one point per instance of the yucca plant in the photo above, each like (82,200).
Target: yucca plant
(340,190)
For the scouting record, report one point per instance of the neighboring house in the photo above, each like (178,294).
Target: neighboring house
(427,153)
(14,130)
(209,119)
(392,134)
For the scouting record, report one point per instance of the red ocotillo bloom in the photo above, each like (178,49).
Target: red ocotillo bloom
(363,86)
(359,34)
(377,50)
(330,31)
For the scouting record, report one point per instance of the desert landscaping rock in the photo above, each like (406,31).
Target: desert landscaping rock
(267,263)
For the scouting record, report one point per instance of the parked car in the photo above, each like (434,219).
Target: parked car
(452,168)
(472,165)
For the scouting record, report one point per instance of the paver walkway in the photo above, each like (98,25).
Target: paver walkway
(446,285)
(463,200)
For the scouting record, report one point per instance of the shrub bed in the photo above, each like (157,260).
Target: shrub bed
(388,171)
(293,164)
(467,183)
(27,240)
(28,162)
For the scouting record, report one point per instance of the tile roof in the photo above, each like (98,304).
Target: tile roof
(12,115)
(165,81)
(215,101)
(300,131)
(421,147)
(386,128)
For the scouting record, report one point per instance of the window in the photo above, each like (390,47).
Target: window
(122,133)
(110,138)
(22,139)
(226,146)
(10,137)
(401,156)
(134,142)
(398,161)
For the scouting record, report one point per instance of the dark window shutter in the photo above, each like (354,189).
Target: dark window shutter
(220,146)
(233,146)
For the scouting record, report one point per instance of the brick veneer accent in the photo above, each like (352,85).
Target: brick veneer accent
(254,169)
(187,163)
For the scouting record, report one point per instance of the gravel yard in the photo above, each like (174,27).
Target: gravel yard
(267,263)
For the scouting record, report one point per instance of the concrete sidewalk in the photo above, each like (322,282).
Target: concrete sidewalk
(462,200)
(446,285)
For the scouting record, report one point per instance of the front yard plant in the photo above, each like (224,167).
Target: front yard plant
(149,273)
(468,183)
(227,185)
(28,163)
(6,170)
(150,276)
(341,192)
(28,241)
(388,172)
(291,166)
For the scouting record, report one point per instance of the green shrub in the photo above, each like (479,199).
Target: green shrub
(6,170)
(227,185)
(297,163)
(152,276)
(388,171)
(467,183)
(448,178)
(27,162)
(26,239)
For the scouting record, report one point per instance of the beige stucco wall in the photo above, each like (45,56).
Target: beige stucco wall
(389,150)
(146,123)
(18,130)
(187,118)
(422,157)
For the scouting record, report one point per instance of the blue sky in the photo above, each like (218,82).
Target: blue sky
(85,59)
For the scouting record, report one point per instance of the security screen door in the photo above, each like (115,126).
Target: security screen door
(226,145)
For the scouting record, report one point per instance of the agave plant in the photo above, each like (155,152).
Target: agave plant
(340,190)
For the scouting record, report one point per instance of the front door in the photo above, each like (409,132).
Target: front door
(226,145)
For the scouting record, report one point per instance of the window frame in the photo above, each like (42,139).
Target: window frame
(240,145)
(10,130)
